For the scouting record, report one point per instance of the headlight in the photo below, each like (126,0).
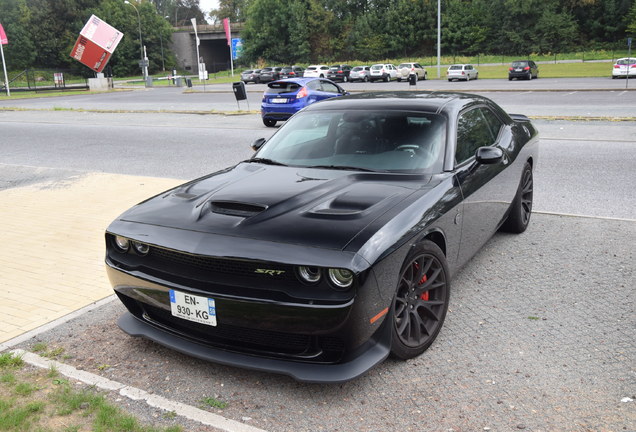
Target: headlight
(140,248)
(309,274)
(121,244)
(341,278)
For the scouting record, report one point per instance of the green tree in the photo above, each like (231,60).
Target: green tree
(14,17)
(555,31)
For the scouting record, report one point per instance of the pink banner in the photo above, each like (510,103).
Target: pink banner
(3,36)
(228,32)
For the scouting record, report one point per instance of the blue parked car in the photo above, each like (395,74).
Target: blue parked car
(284,98)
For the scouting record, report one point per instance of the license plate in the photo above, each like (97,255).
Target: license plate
(279,100)
(193,308)
(518,70)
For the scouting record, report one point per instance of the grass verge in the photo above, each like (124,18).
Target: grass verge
(40,400)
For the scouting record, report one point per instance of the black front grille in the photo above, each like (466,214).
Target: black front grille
(300,347)
(186,263)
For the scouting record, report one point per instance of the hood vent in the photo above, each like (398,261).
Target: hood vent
(230,208)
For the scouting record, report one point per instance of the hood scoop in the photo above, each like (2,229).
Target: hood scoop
(231,208)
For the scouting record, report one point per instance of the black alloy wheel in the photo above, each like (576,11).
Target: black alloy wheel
(269,122)
(521,207)
(421,301)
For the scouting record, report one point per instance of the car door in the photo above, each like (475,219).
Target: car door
(486,189)
(326,89)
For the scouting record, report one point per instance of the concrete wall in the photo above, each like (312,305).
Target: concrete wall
(213,49)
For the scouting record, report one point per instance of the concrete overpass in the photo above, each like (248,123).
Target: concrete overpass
(213,47)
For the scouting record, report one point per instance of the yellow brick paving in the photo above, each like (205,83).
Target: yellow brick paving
(52,245)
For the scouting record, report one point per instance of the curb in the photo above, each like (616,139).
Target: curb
(136,394)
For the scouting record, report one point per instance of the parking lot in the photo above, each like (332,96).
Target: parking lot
(540,331)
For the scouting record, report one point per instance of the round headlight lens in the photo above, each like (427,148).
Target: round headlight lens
(309,274)
(341,278)
(121,243)
(141,248)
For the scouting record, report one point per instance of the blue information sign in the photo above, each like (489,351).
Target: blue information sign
(237,48)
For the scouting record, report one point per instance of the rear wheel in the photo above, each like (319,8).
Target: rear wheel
(366,78)
(420,302)
(269,122)
(345,78)
(521,207)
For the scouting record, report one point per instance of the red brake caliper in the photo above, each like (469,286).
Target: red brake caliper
(424,295)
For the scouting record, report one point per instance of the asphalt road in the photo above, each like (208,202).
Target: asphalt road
(586,168)
(540,331)
(543,97)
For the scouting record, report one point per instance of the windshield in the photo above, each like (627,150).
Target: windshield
(384,141)
(626,61)
(278,87)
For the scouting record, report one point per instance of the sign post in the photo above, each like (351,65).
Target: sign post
(4,41)
(629,57)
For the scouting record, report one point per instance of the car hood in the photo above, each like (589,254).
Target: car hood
(315,207)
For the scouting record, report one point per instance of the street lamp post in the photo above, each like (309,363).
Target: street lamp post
(141,43)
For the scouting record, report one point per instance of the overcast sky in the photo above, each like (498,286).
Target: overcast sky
(207,5)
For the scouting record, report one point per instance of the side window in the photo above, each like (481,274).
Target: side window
(314,85)
(493,122)
(473,131)
(329,87)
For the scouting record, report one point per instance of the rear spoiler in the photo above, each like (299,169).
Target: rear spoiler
(519,117)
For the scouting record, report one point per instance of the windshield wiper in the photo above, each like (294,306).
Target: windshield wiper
(342,167)
(266,161)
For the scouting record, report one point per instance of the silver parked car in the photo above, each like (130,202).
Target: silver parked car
(360,73)
(462,72)
(406,69)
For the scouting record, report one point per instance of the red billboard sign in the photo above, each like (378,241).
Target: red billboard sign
(96,43)
(90,54)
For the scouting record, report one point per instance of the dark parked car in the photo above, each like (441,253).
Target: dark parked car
(335,244)
(339,72)
(269,74)
(251,75)
(291,72)
(526,69)
(284,98)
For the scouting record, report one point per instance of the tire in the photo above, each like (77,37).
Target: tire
(366,78)
(529,75)
(521,207)
(399,80)
(509,78)
(387,78)
(420,302)
(345,79)
(477,76)
(269,122)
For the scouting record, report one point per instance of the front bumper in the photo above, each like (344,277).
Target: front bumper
(369,355)
(312,334)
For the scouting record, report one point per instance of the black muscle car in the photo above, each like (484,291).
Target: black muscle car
(335,244)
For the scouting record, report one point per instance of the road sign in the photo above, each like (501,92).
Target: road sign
(237,48)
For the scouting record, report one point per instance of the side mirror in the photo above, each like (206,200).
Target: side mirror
(258,144)
(489,155)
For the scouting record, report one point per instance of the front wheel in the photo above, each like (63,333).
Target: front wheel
(269,122)
(421,301)
(345,79)
(521,207)
(366,78)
